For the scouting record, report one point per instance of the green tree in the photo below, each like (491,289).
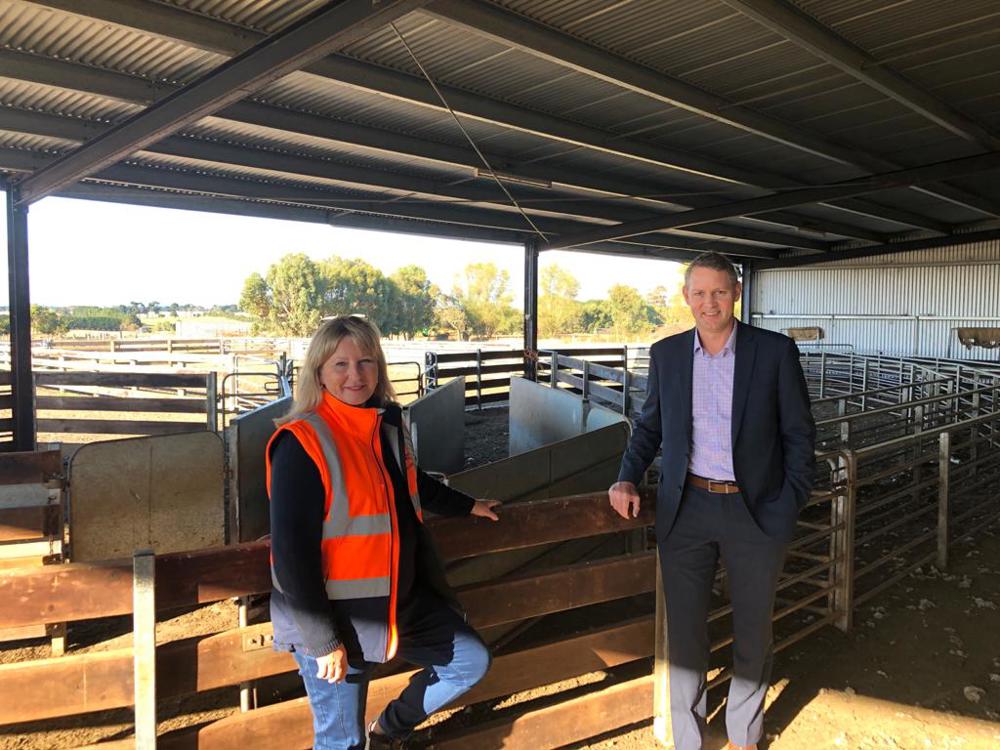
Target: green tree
(297,289)
(415,306)
(630,314)
(449,314)
(354,287)
(671,308)
(47,321)
(558,310)
(255,299)
(484,296)
(595,316)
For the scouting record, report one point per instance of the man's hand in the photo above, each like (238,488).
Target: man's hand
(486,509)
(333,666)
(624,499)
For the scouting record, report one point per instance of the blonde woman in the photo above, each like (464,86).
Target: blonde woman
(356,580)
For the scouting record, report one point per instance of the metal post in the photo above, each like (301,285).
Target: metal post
(554,369)
(530,307)
(845,425)
(864,384)
(944,471)
(479,379)
(144,647)
(247,701)
(626,391)
(844,505)
(746,297)
(662,729)
(586,380)
(822,375)
(212,401)
(22,387)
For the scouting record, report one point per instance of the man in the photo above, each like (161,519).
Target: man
(728,405)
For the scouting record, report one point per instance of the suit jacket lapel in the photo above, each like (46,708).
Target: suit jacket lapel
(746,351)
(686,363)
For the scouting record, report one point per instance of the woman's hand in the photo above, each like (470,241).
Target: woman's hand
(486,509)
(333,666)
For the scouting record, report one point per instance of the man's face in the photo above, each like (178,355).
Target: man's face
(711,295)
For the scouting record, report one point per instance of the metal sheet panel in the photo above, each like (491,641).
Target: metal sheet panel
(437,426)
(163,493)
(246,439)
(585,463)
(540,415)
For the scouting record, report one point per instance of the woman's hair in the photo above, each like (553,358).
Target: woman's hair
(309,390)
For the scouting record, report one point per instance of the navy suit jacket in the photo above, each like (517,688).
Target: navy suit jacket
(773,433)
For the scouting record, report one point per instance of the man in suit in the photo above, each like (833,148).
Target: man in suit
(728,405)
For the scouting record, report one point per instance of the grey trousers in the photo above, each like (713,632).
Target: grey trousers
(708,527)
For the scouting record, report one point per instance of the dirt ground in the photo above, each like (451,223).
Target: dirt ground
(920,670)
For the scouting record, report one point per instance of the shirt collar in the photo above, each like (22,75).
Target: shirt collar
(730,345)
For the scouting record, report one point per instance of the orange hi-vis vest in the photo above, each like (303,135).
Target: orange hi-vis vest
(360,533)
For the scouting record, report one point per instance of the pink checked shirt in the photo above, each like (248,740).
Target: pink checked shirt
(712,410)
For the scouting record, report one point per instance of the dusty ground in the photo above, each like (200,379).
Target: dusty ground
(920,671)
(486,434)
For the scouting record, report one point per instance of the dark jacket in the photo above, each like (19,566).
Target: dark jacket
(773,434)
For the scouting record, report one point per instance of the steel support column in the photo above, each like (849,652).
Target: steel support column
(22,390)
(745,297)
(530,308)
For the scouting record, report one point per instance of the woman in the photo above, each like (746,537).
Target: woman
(355,576)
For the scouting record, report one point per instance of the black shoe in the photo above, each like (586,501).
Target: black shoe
(377,741)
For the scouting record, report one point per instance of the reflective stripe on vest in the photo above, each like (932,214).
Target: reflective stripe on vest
(339,523)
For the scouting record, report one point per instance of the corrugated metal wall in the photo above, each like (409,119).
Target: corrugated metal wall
(905,305)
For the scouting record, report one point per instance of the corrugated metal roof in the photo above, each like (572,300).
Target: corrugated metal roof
(264,15)
(949,49)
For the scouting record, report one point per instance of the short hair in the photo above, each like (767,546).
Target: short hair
(714,261)
(309,390)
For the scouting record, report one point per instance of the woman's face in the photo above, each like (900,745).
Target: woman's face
(350,375)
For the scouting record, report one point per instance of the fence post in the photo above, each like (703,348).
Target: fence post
(845,425)
(479,379)
(212,401)
(586,381)
(626,392)
(822,374)
(944,472)
(844,505)
(662,729)
(554,370)
(144,647)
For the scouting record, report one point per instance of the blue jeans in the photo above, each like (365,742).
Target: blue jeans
(452,655)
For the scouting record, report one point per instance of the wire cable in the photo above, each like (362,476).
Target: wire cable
(468,137)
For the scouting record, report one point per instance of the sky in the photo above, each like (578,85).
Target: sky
(94,253)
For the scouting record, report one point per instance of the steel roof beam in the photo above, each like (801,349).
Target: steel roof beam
(808,33)
(318,199)
(561,49)
(903,178)
(211,35)
(291,165)
(307,40)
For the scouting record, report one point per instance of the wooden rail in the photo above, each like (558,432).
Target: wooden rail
(103,680)
(488,373)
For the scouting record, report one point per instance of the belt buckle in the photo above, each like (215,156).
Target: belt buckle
(718,484)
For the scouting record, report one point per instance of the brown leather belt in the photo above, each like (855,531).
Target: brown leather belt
(717,486)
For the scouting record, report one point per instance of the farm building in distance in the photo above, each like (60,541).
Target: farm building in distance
(844,154)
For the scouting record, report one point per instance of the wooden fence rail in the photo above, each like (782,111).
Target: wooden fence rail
(99,681)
